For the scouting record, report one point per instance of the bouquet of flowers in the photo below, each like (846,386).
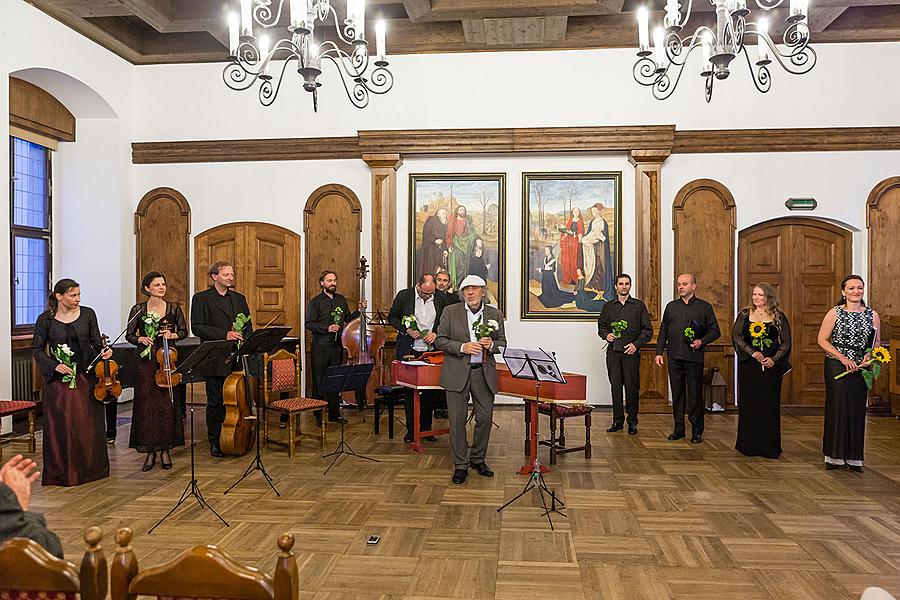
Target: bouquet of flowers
(240,321)
(689,334)
(64,354)
(618,327)
(484,328)
(337,317)
(410,322)
(871,369)
(151,329)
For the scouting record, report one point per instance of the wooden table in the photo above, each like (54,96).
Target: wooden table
(428,377)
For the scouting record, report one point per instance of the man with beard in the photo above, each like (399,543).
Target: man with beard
(434,243)
(325,324)
(442,282)
(425,303)
(213,313)
(623,361)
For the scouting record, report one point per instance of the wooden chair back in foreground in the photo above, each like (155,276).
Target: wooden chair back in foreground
(203,572)
(27,570)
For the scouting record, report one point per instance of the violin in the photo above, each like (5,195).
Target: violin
(107,370)
(166,357)
(364,341)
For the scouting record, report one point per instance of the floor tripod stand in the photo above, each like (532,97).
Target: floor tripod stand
(346,378)
(536,482)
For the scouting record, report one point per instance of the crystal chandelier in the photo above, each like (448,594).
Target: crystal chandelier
(251,57)
(662,67)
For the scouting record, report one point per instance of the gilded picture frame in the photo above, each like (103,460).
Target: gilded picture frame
(571,243)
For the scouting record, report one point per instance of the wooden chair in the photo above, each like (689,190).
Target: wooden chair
(13,408)
(559,413)
(203,572)
(28,571)
(281,376)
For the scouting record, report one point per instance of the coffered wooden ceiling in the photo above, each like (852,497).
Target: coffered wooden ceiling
(173,31)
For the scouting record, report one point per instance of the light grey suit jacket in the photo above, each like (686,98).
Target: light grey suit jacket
(452,333)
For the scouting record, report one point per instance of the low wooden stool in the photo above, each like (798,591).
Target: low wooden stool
(293,408)
(389,397)
(12,408)
(561,412)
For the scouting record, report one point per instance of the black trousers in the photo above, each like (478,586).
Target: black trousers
(322,358)
(112,412)
(215,407)
(624,370)
(686,379)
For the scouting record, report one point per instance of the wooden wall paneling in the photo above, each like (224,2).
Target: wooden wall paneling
(266,261)
(384,227)
(704,221)
(807,139)
(321,148)
(883,223)
(162,232)
(35,109)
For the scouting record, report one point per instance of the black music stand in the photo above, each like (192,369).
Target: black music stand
(260,341)
(347,378)
(539,366)
(206,355)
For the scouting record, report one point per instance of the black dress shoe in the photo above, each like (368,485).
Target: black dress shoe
(696,438)
(675,436)
(430,438)
(482,469)
(632,429)
(149,461)
(855,468)
(215,450)
(615,427)
(831,466)
(459,476)
(165,461)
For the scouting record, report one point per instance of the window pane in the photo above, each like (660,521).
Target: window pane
(30,185)
(31,278)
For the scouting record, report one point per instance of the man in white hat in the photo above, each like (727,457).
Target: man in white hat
(470,334)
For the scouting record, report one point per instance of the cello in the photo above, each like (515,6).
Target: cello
(108,386)
(364,341)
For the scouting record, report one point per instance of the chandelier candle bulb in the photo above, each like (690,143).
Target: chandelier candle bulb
(380,28)
(762,44)
(643,17)
(298,13)
(658,34)
(798,9)
(264,55)
(673,13)
(233,33)
(705,52)
(246,18)
(356,17)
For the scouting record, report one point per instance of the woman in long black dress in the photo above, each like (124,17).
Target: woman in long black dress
(156,424)
(74,442)
(759,382)
(551,296)
(847,331)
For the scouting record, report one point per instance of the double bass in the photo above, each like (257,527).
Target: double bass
(108,386)
(364,341)
(237,436)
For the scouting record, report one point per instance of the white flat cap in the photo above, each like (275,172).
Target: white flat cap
(472,280)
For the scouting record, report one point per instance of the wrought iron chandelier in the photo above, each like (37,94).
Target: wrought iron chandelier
(251,57)
(661,68)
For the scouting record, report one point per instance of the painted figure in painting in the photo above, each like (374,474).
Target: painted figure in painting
(584,299)
(570,254)
(433,255)
(477,264)
(598,269)
(551,296)
(460,238)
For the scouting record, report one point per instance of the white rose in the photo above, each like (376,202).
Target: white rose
(494,324)
(66,350)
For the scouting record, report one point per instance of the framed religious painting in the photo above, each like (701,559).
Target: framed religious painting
(457,224)
(571,243)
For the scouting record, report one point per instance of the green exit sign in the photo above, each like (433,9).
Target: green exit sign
(801,203)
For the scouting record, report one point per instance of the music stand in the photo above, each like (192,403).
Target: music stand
(539,366)
(199,362)
(260,341)
(347,378)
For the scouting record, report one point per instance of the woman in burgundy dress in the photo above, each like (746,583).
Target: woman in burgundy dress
(156,424)
(74,440)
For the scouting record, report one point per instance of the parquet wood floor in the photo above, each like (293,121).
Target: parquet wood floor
(647,518)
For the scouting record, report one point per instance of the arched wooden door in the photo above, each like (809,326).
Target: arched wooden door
(805,260)
(266,261)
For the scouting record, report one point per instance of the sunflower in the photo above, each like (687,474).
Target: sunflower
(757,329)
(881,355)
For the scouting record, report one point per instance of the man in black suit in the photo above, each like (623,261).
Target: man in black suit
(213,313)
(442,281)
(426,304)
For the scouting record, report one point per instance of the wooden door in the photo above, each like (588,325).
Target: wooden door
(162,229)
(266,261)
(805,260)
